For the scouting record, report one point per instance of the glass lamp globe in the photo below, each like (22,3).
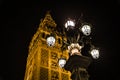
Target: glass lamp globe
(50,41)
(95,53)
(62,62)
(69,24)
(86,30)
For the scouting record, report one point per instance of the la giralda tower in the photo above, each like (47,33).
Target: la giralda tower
(42,60)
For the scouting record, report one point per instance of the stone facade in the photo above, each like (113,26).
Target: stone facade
(42,60)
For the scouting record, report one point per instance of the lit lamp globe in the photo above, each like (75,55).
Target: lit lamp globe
(62,62)
(95,53)
(50,41)
(86,29)
(70,24)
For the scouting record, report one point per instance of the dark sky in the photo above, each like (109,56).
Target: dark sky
(19,20)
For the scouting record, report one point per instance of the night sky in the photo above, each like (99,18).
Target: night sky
(19,21)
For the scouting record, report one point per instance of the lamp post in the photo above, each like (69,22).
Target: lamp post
(78,35)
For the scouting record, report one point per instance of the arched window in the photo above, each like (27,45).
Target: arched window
(43,35)
(59,41)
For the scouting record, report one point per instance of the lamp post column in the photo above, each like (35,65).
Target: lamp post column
(77,65)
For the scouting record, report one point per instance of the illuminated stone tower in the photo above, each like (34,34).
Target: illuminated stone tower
(42,60)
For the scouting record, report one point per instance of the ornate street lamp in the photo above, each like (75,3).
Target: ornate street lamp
(78,35)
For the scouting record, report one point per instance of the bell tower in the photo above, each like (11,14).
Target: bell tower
(42,60)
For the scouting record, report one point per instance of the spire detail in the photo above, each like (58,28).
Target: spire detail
(48,20)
